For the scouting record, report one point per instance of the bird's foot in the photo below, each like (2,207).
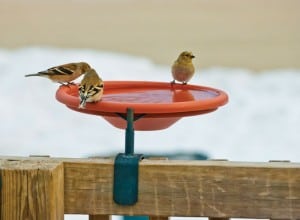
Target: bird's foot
(172,82)
(70,84)
(184,83)
(63,84)
(66,83)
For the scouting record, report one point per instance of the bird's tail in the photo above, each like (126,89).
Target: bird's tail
(35,74)
(45,73)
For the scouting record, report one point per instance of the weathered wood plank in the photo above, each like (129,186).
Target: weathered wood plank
(99,217)
(218,189)
(158,218)
(218,218)
(31,189)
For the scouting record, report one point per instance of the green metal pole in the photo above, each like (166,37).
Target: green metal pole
(126,168)
(129,136)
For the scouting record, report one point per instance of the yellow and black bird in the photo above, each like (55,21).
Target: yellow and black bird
(183,68)
(90,88)
(65,73)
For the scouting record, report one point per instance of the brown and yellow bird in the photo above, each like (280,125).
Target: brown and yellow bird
(65,73)
(90,88)
(183,68)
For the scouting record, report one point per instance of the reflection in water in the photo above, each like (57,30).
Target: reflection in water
(155,96)
(182,96)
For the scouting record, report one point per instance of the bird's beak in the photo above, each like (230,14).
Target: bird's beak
(82,102)
(192,56)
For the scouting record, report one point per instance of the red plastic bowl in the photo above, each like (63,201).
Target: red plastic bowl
(158,104)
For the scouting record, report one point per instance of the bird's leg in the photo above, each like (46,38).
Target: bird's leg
(173,82)
(184,83)
(66,84)
(63,84)
(70,83)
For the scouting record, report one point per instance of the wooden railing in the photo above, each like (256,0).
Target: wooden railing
(48,188)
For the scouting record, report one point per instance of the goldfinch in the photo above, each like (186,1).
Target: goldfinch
(90,88)
(65,73)
(183,68)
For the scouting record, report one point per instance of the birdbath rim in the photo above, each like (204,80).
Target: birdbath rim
(147,98)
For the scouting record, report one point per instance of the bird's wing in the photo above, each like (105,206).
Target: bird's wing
(61,70)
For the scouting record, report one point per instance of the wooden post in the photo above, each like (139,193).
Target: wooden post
(32,189)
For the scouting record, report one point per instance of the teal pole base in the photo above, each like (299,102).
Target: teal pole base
(126,168)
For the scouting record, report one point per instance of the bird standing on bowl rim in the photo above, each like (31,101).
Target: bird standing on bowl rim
(90,88)
(64,74)
(183,68)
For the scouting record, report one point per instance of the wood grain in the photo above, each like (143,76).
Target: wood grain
(158,218)
(31,189)
(217,189)
(44,188)
(99,217)
(218,218)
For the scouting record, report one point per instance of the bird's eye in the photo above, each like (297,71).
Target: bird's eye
(96,89)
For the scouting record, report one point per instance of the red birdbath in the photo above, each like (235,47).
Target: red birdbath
(142,106)
(156,105)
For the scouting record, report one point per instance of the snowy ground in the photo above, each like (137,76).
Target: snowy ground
(261,122)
